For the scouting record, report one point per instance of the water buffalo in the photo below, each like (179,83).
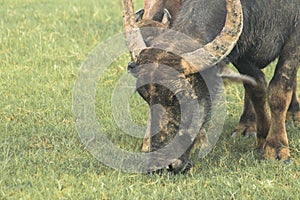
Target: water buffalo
(155,10)
(166,12)
(250,36)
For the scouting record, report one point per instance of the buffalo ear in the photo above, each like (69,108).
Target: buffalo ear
(139,15)
(167,17)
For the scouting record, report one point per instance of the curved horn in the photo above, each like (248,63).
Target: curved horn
(133,34)
(222,45)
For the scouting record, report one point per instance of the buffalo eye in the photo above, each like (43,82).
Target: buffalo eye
(131,66)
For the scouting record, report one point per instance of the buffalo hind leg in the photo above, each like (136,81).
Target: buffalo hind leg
(294,108)
(258,96)
(247,123)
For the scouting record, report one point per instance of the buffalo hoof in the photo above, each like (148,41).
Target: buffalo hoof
(180,166)
(276,153)
(245,130)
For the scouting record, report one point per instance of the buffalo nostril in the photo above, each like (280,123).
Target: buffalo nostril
(131,66)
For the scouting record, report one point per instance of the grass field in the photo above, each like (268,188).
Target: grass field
(42,45)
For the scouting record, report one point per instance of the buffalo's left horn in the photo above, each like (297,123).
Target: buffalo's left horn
(222,45)
(133,34)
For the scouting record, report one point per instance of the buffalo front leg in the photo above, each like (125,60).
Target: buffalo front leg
(280,95)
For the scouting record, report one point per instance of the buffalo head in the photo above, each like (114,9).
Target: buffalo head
(166,64)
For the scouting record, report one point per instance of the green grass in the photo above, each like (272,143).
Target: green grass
(42,45)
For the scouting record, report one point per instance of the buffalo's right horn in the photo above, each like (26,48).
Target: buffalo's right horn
(222,45)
